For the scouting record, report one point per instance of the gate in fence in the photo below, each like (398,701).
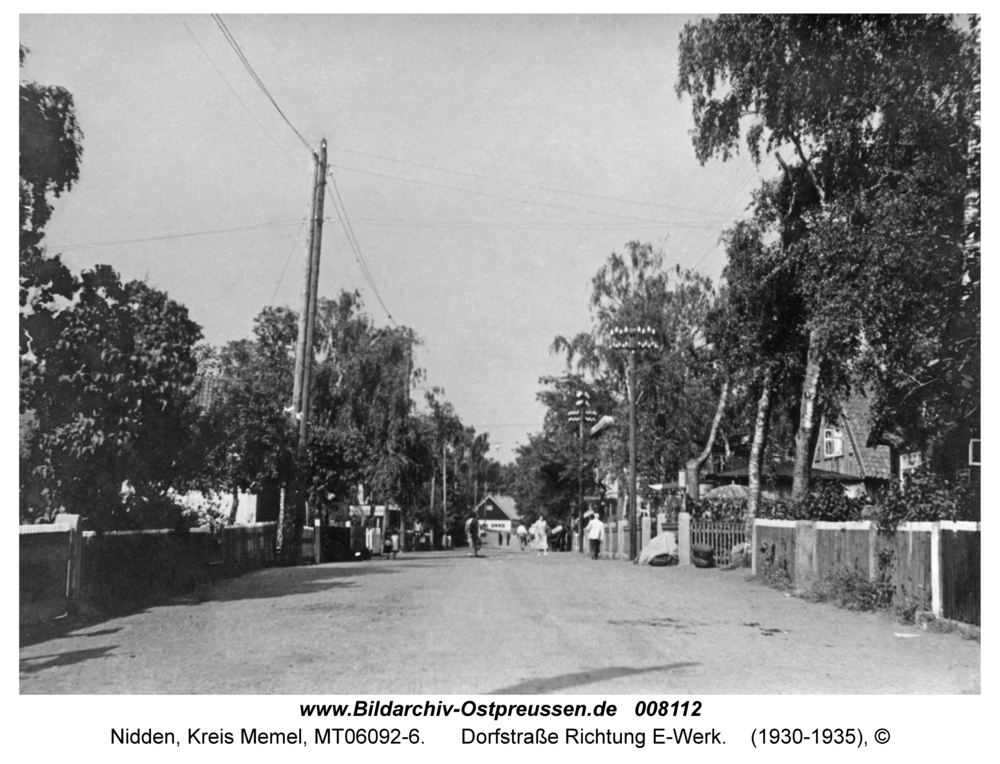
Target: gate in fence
(722,537)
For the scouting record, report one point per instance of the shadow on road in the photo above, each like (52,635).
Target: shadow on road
(66,627)
(41,662)
(580,678)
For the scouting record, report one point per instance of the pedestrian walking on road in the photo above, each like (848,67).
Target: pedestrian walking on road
(595,533)
(522,536)
(499,538)
(472,534)
(395,543)
(508,538)
(541,536)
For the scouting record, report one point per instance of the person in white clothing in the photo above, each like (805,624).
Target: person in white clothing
(595,533)
(541,536)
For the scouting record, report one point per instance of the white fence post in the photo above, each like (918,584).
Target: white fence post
(684,538)
(936,607)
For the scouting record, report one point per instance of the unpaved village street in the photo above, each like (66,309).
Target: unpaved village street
(509,623)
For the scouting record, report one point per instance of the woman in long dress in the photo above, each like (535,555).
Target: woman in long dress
(541,536)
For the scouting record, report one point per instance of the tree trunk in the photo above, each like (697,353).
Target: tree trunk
(290,519)
(236,505)
(757,451)
(693,466)
(804,438)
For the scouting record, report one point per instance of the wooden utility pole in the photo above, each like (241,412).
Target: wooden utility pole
(444,488)
(292,517)
(632,515)
(310,287)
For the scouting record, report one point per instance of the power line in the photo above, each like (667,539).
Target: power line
(732,197)
(631,218)
(530,185)
(472,224)
(237,95)
(246,63)
(67,247)
(287,261)
(345,223)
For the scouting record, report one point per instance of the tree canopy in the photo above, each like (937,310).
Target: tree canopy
(872,120)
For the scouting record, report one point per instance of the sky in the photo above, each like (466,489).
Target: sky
(487,166)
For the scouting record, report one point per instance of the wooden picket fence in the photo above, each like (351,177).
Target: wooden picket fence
(721,536)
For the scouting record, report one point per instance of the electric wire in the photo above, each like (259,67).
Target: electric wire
(532,185)
(242,102)
(288,260)
(631,218)
(711,249)
(345,223)
(475,224)
(94,245)
(246,63)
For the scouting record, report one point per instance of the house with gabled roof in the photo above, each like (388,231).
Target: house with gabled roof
(844,447)
(498,513)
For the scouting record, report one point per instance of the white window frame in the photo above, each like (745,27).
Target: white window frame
(908,463)
(974,445)
(833,442)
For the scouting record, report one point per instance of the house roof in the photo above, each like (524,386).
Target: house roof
(875,461)
(208,391)
(505,504)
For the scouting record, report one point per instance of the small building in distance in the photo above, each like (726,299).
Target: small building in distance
(498,514)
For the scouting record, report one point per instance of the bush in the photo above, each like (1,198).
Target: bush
(850,589)
(729,510)
(927,498)
(828,501)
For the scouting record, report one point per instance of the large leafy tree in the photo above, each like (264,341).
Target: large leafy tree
(105,393)
(360,430)
(50,149)
(252,445)
(679,385)
(555,464)
(105,367)
(870,120)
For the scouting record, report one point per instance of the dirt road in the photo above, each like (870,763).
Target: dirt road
(510,623)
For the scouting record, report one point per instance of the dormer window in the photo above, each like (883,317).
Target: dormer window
(833,443)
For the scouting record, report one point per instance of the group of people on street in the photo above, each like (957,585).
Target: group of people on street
(537,535)
(390,544)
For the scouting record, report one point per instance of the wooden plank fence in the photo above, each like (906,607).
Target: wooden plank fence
(961,574)
(247,547)
(904,559)
(930,566)
(774,548)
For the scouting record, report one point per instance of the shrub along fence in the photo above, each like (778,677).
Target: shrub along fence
(931,566)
